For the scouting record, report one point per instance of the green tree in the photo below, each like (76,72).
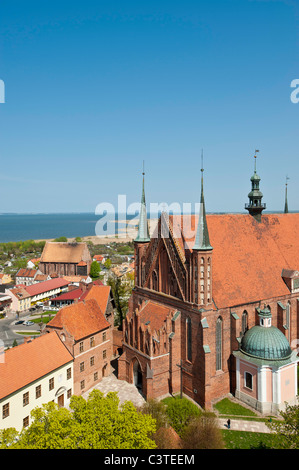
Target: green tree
(7,437)
(180,411)
(121,292)
(286,431)
(60,239)
(96,423)
(107,263)
(95,270)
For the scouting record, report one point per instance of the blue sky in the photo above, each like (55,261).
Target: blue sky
(94,88)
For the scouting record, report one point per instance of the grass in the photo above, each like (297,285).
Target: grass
(246,440)
(44,318)
(27,333)
(229,408)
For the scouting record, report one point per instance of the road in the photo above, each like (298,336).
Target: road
(8,328)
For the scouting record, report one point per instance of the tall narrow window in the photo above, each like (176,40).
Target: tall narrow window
(189,339)
(288,313)
(244,322)
(219,344)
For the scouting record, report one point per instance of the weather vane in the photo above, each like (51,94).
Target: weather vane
(257,151)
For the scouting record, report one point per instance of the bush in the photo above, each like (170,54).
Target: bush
(203,433)
(180,412)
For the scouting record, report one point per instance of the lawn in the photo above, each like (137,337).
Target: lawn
(246,440)
(229,408)
(44,318)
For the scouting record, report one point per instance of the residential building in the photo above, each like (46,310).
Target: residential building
(33,263)
(102,294)
(86,333)
(34,373)
(20,299)
(44,291)
(5,278)
(26,277)
(5,302)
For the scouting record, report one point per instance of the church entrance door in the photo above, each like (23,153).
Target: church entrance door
(137,375)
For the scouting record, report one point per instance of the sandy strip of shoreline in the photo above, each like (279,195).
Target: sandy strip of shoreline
(125,235)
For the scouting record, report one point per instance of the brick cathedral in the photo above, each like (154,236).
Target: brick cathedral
(207,287)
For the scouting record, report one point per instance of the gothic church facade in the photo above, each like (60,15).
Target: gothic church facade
(200,284)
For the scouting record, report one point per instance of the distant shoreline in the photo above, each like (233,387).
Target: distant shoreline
(131,233)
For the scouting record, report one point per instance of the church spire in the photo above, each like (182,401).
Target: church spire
(255,206)
(202,240)
(143,232)
(286,207)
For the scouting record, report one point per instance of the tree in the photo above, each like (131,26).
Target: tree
(60,239)
(95,270)
(107,263)
(121,292)
(165,436)
(96,423)
(7,437)
(203,432)
(180,411)
(286,431)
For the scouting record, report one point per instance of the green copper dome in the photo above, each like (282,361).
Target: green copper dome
(265,343)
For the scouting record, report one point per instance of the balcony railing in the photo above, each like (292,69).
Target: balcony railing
(258,206)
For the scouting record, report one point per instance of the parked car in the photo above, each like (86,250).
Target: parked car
(28,323)
(19,322)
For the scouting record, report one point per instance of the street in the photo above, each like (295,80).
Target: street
(8,328)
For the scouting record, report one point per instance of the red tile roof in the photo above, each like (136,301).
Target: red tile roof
(20,292)
(153,314)
(100,293)
(248,257)
(70,295)
(80,319)
(30,361)
(46,286)
(23,272)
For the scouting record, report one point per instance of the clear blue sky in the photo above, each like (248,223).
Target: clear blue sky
(93,88)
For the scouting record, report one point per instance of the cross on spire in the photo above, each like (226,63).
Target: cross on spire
(286,208)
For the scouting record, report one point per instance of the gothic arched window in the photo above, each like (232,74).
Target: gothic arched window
(154,281)
(189,339)
(244,322)
(219,344)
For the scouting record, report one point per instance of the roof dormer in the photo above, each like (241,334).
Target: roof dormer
(291,278)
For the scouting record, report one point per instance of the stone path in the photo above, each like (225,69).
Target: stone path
(242,425)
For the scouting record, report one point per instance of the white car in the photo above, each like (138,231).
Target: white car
(28,323)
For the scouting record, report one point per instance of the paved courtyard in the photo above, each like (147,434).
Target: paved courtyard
(126,391)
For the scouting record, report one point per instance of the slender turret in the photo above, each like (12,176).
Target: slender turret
(255,206)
